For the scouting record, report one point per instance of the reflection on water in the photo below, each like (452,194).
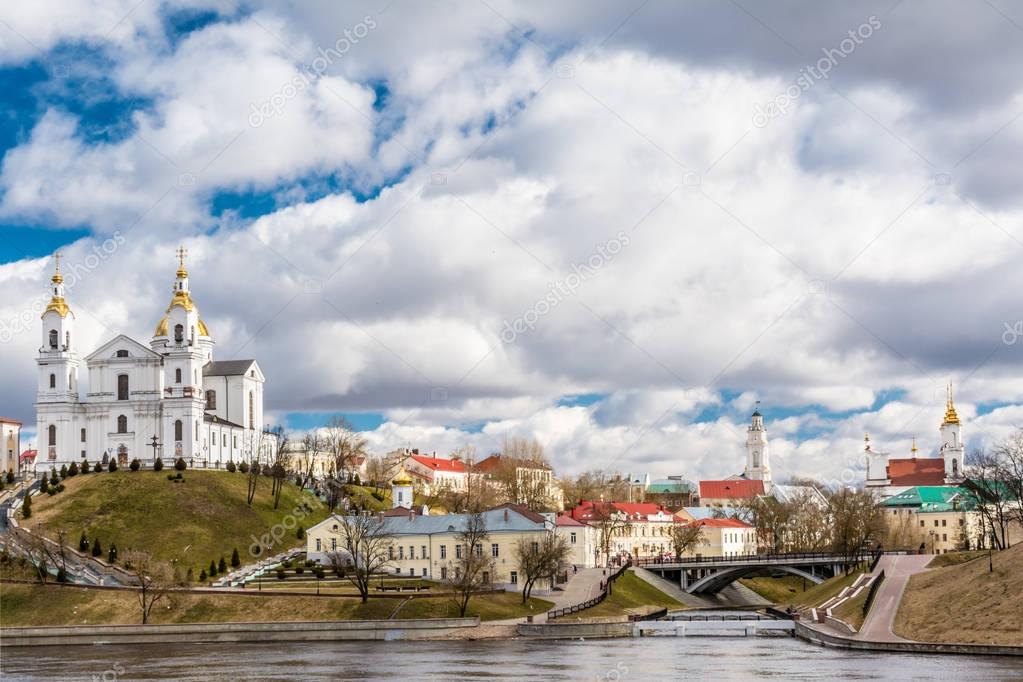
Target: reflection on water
(654,658)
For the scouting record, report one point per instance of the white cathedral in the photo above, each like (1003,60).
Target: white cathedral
(168,400)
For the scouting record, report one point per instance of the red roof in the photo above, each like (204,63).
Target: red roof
(566,520)
(438,464)
(736,489)
(924,471)
(493,462)
(723,523)
(589,510)
(29,454)
(8,420)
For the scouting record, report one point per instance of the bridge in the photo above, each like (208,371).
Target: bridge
(709,575)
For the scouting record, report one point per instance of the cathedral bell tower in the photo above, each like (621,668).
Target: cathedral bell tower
(758,463)
(58,363)
(952,449)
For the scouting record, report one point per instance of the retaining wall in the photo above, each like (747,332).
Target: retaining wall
(815,636)
(573,630)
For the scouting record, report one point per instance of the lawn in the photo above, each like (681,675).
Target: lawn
(781,590)
(851,611)
(629,594)
(955,558)
(966,603)
(22,605)
(818,594)
(200,519)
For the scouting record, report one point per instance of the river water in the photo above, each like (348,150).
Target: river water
(615,660)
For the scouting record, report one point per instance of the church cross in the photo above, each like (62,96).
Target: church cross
(57,255)
(181,253)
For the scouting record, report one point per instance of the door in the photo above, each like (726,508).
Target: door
(122,456)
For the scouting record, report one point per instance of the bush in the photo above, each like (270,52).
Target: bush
(300,533)
(318,572)
(158,464)
(202,575)
(26,507)
(63,471)
(61,575)
(180,465)
(112,467)
(170,477)
(190,576)
(83,543)
(299,570)
(236,560)
(44,486)
(97,467)
(112,554)
(53,477)
(97,550)
(298,482)
(10,475)
(135,464)
(86,467)
(358,481)
(59,488)
(309,563)
(378,496)
(222,566)
(254,468)
(286,563)
(73,469)
(243,467)
(281,574)
(213,568)
(231,467)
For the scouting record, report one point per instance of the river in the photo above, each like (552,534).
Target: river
(617,660)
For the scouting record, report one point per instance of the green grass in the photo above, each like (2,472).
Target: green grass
(489,607)
(203,518)
(781,590)
(629,594)
(851,611)
(955,558)
(818,594)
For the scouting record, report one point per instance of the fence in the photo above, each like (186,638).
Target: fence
(605,589)
(781,557)
(872,592)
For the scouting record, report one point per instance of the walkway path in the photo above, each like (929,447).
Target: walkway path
(897,570)
(580,586)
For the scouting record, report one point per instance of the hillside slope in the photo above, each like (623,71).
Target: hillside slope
(199,519)
(966,603)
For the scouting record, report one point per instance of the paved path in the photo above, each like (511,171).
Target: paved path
(580,586)
(897,571)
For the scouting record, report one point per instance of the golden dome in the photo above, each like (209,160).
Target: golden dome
(402,478)
(950,409)
(162,328)
(59,306)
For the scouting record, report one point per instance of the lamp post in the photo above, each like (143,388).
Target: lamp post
(154,443)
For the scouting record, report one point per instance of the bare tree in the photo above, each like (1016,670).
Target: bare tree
(277,443)
(154,579)
(856,520)
(346,447)
(473,568)
(367,547)
(541,559)
(594,485)
(986,486)
(685,537)
(252,481)
(770,518)
(376,470)
(524,475)
(1010,456)
(608,524)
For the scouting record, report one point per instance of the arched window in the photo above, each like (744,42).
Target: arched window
(179,333)
(53,381)
(83,435)
(252,410)
(51,435)
(122,424)
(122,386)
(54,338)
(177,376)
(178,429)
(121,354)
(67,340)
(196,429)
(211,400)
(955,467)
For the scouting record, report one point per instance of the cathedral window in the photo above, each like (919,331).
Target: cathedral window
(178,430)
(122,386)
(67,340)
(83,435)
(121,354)
(122,424)
(252,410)
(197,429)
(53,381)
(179,333)
(177,376)
(51,434)
(53,338)
(211,400)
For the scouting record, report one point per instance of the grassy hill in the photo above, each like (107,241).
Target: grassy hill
(629,594)
(193,521)
(966,603)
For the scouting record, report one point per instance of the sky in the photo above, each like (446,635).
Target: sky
(610,226)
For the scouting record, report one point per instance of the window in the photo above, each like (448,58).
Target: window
(234,442)
(122,386)
(54,338)
(571,538)
(536,547)
(333,544)
(179,333)
(921,523)
(486,577)
(944,523)
(197,429)
(317,544)
(935,523)
(121,354)
(478,549)
(494,550)
(424,572)
(514,577)
(252,410)
(53,381)
(177,376)
(83,435)
(223,440)
(52,435)
(412,572)
(443,572)
(411,551)
(423,552)
(178,430)
(211,400)
(390,553)
(401,553)
(458,548)
(944,537)
(122,424)
(443,551)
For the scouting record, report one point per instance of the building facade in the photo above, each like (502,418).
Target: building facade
(169,399)
(10,445)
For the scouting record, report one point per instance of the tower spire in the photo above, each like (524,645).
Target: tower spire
(57,302)
(951,417)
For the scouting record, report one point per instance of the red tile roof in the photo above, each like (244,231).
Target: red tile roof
(736,489)
(438,464)
(8,420)
(566,520)
(722,523)
(28,454)
(589,510)
(492,463)
(922,471)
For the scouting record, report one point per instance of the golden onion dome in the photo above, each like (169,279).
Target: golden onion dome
(162,328)
(402,478)
(951,417)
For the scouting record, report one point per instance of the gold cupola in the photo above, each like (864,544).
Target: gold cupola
(402,478)
(57,303)
(181,297)
(950,409)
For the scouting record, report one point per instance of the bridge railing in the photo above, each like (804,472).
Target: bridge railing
(873,592)
(782,557)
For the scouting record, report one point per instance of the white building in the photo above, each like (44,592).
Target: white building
(758,454)
(171,393)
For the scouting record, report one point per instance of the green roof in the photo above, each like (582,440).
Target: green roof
(932,498)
